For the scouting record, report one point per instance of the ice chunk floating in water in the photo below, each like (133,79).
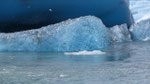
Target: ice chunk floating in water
(85,33)
(94,52)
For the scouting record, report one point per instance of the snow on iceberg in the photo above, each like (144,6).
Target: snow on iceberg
(140,9)
(84,33)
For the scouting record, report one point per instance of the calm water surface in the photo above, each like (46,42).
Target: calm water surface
(123,63)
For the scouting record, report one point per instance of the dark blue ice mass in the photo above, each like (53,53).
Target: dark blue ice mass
(18,15)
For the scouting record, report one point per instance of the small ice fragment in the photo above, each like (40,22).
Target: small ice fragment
(4,69)
(94,52)
(62,75)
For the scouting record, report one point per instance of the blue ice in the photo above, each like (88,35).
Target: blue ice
(19,15)
(141,12)
(84,33)
(141,30)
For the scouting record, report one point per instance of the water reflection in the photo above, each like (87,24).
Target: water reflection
(125,61)
(112,54)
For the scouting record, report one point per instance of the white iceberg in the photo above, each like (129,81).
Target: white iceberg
(140,9)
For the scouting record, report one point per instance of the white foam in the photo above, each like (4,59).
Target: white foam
(94,52)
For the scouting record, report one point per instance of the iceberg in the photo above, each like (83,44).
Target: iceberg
(20,15)
(84,33)
(140,9)
(141,30)
(141,12)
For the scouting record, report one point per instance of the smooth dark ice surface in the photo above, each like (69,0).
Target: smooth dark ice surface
(18,15)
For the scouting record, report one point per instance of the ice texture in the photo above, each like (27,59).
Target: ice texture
(140,9)
(141,12)
(141,30)
(84,33)
(74,35)
(120,33)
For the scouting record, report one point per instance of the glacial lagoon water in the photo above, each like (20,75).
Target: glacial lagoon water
(122,63)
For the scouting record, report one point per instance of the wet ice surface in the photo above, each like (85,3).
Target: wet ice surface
(123,63)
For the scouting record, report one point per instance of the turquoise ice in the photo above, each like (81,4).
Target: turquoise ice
(85,33)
